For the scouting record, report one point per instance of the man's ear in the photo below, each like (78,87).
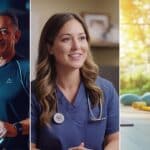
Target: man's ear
(17,35)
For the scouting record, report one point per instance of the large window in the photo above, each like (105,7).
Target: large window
(135,46)
(135,74)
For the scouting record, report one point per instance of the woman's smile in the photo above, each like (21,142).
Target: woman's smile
(75,56)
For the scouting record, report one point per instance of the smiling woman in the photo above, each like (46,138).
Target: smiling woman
(71,107)
(70,46)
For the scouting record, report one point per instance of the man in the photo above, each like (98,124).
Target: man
(14,88)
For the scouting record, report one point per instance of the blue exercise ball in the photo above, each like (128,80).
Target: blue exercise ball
(146,98)
(128,99)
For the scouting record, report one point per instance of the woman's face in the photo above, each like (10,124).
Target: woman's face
(70,46)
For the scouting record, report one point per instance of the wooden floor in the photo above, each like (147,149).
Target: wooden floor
(136,137)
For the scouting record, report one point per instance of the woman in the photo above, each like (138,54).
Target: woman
(72,108)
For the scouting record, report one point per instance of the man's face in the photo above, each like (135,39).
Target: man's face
(9,35)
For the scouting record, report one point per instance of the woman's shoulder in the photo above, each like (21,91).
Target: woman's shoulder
(108,89)
(34,100)
(33,86)
(103,83)
(33,95)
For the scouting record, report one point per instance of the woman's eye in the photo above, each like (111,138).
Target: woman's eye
(65,39)
(82,38)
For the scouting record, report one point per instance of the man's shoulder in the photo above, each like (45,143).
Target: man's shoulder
(23,62)
(23,65)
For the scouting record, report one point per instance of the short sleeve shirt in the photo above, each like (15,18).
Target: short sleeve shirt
(14,97)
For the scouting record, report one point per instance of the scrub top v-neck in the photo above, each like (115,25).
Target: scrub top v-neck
(77,126)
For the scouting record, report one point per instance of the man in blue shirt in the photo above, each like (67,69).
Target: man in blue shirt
(14,87)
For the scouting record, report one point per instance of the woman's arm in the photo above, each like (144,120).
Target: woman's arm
(112,141)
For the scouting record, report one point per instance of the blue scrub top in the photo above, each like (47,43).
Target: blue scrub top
(77,126)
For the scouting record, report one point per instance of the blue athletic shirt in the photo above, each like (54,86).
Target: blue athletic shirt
(14,99)
(77,126)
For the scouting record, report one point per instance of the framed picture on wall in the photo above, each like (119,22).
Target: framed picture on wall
(99,28)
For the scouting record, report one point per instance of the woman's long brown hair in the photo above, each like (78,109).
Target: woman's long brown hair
(46,71)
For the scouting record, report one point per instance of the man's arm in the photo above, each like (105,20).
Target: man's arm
(11,129)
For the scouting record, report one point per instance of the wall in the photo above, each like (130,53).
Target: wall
(40,12)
